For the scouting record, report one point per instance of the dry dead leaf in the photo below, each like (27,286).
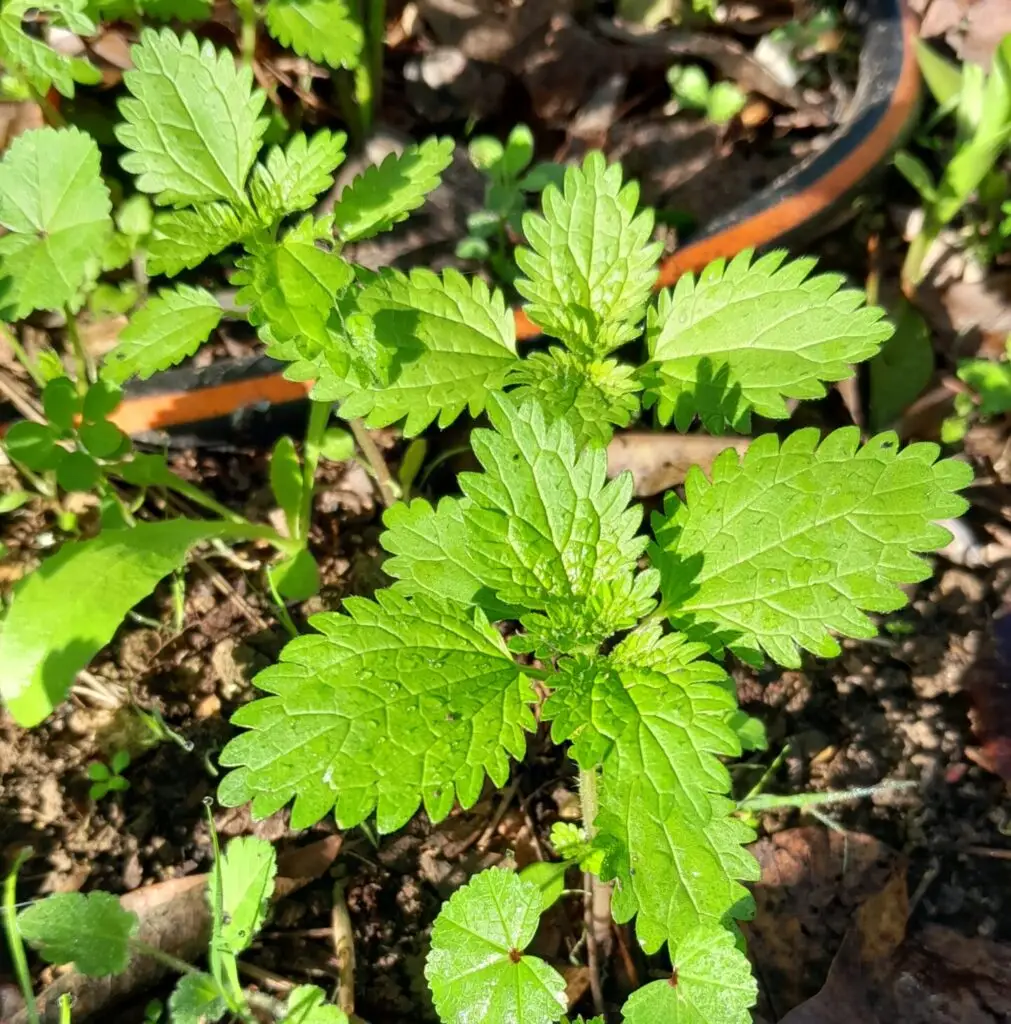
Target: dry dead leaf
(659,461)
(988,683)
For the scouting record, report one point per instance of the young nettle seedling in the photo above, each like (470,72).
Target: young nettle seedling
(989,394)
(413,698)
(108,778)
(721,102)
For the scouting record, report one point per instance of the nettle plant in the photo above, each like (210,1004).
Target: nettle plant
(538,575)
(192,132)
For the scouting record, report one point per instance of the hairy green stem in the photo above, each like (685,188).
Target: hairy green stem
(280,606)
(319,417)
(145,949)
(84,374)
(15,946)
(247,37)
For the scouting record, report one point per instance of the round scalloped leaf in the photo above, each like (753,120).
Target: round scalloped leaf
(476,968)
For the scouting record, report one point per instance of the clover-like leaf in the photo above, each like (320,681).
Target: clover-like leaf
(710,983)
(289,179)
(592,396)
(476,968)
(746,335)
(542,530)
(170,327)
(398,702)
(325,31)
(183,239)
(307,1005)
(799,539)
(384,194)
(590,265)
(240,887)
(91,931)
(56,210)
(192,125)
(196,999)
(657,718)
(453,340)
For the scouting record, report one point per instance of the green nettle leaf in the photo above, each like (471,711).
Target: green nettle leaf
(176,10)
(325,31)
(991,381)
(590,265)
(292,287)
(798,539)
(398,702)
(711,982)
(657,719)
(542,531)
(383,195)
(68,609)
(39,65)
(307,1005)
(476,967)
(746,335)
(196,999)
(183,239)
(192,127)
(593,397)
(454,342)
(242,892)
(56,210)
(90,931)
(290,179)
(170,327)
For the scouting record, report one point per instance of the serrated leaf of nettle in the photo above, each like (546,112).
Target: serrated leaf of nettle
(241,885)
(453,339)
(57,213)
(41,66)
(657,718)
(291,287)
(592,396)
(396,703)
(307,1005)
(183,239)
(193,125)
(163,332)
(590,266)
(748,334)
(91,931)
(476,968)
(542,531)
(798,539)
(384,194)
(326,31)
(710,983)
(196,999)
(290,178)
(68,609)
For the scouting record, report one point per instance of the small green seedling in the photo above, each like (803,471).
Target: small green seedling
(989,394)
(109,778)
(721,102)
(510,182)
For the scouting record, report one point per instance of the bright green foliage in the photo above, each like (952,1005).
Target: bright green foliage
(711,981)
(56,210)
(799,538)
(454,342)
(36,63)
(476,969)
(240,887)
(991,381)
(183,239)
(90,931)
(286,481)
(307,1005)
(289,179)
(68,609)
(394,703)
(325,31)
(591,265)
(656,719)
(196,999)
(541,530)
(383,195)
(593,397)
(109,778)
(746,335)
(170,327)
(192,127)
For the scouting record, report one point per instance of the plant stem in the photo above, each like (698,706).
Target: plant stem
(281,607)
(22,356)
(588,799)
(374,457)
(375,34)
(84,374)
(14,944)
(247,37)
(912,266)
(145,949)
(201,498)
(50,114)
(319,417)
